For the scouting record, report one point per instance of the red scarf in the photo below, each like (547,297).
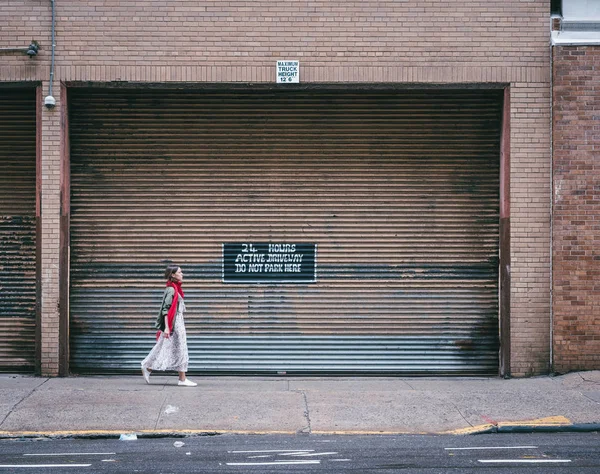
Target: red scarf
(173,309)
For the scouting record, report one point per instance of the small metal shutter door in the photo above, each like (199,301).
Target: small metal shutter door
(399,190)
(17,229)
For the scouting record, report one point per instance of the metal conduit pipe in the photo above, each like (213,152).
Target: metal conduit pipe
(50,101)
(30,51)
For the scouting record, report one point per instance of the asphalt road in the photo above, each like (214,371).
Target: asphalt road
(545,453)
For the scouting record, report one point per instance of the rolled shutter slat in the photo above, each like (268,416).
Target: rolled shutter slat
(17,229)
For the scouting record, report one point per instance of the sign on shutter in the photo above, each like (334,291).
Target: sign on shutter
(269,263)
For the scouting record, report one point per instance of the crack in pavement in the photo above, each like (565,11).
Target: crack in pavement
(308,428)
(593,382)
(462,416)
(591,399)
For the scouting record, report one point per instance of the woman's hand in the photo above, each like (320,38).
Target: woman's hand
(167,330)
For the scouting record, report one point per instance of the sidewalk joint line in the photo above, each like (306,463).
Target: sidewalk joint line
(21,401)
(160,411)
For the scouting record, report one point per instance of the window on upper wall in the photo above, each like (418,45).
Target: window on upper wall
(575,22)
(579,10)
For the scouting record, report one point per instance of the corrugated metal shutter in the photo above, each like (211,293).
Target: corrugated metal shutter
(17,229)
(399,190)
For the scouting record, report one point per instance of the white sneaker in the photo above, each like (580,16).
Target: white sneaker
(187,383)
(146,374)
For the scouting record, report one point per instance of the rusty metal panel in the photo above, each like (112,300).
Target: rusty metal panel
(399,190)
(17,229)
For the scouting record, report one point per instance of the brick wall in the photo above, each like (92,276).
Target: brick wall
(23,21)
(186,40)
(409,41)
(530,228)
(576,229)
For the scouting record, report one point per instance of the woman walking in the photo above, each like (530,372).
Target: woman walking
(170,351)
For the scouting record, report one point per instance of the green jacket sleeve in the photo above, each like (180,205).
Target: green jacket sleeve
(167,301)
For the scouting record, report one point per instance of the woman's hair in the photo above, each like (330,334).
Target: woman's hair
(170,270)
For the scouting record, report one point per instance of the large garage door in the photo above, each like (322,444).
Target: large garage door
(399,190)
(17,229)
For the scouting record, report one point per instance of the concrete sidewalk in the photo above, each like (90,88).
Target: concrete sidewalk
(108,406)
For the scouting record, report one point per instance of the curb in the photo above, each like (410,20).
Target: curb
(574,428)
(550,424)
(500,428)
(115,434)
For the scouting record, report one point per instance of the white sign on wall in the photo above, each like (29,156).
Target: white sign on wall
(288,72)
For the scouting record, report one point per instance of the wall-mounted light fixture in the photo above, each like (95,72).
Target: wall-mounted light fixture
(30,51)
(33,49)
(50,101)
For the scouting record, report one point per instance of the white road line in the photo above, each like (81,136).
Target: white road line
(13,466)
(71,454)
(528,461)
(308,454)
(273,463)
(491,447)
(274,451)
